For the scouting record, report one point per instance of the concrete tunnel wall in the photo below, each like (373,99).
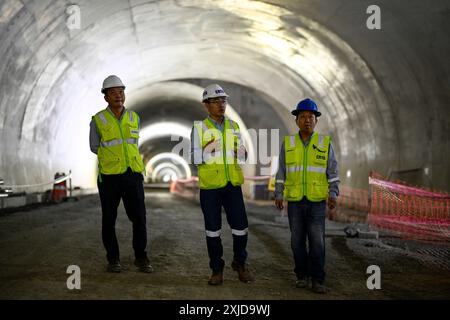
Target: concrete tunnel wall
(383,93)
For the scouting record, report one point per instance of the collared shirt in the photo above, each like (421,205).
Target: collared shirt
(94,136)
(219,126)
(331,172)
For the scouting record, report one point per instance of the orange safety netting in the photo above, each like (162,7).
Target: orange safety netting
(410,211)
(353,205)
(353,198)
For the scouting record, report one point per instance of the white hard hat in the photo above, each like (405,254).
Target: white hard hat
(112,82)
(213,91)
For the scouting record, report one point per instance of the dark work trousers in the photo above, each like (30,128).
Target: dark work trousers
(230,197)
(128,187)
(307,222)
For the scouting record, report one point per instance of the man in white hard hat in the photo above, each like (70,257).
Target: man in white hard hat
(216,147)
(114,138)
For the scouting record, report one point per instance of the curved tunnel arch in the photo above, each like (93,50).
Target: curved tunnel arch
(169,160)
(268,50)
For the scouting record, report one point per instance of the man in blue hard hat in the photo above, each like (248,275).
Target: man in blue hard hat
(308,180)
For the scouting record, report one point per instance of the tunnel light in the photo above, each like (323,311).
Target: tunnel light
(163,129)
(172,156)
(164,166)
(349,173)
(426,170)
(169,176)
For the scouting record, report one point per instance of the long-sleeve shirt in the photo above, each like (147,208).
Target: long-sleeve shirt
(196,146)
(331,172)
(94,136)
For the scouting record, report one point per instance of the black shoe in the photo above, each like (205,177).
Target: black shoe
(302,282)
(319,288)
(216,278)
(114,267)
(143,265)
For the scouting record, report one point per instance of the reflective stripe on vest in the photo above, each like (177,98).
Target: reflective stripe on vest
(306,168)
(292,141)
(220,166)
(118,148)
(111,143)
(102,118)
(132,141)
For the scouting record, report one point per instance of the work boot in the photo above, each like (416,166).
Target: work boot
(216,278)
(114,266)
(319,288)
(143,265)
(302,282)
(243,272)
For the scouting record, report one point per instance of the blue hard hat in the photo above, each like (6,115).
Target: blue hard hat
(306,105)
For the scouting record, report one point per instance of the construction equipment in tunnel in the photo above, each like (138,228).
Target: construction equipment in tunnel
(60,189)
(4,192)
(14,196)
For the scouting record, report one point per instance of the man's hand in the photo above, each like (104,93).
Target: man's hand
(212,146)
(279,204)
(211,141)
(332,202)
(240,153)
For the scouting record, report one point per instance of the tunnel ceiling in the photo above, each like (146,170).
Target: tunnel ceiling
(371,85)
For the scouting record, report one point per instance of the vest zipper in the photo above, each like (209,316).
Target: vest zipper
(123,143)
(224,152)
(305,165)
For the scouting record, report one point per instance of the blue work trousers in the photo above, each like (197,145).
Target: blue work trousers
(212,201)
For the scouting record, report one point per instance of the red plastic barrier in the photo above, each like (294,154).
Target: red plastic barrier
(59,191)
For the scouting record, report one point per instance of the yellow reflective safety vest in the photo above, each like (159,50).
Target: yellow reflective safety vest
(219,167)
(306,168)
(118,148)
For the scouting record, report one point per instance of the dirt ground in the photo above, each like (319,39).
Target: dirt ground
(37,246)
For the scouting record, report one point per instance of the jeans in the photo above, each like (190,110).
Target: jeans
(307,222)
